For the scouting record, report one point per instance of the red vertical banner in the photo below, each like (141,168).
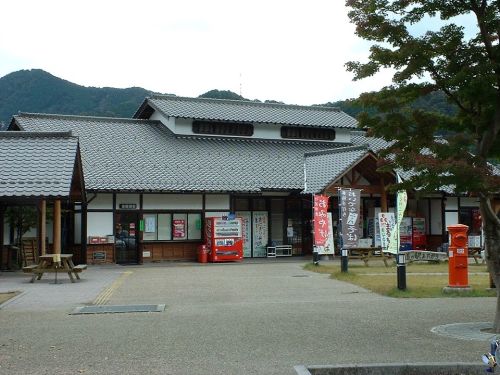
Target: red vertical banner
(320,220)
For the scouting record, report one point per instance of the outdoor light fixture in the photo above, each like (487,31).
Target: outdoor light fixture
(344,261)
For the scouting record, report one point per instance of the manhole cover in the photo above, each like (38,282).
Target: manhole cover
(111,309)
(466,331)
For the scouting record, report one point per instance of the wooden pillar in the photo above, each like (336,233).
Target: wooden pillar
(43,226)
(83,239)
(383,196)
(57,227)
(3,265)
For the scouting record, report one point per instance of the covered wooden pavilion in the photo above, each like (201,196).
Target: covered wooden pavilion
(40,169)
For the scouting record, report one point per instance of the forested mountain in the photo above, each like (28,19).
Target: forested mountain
(40,92)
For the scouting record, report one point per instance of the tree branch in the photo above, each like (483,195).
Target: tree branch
(488,210)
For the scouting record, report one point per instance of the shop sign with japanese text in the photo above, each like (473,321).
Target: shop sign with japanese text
(320,220)
(350,203)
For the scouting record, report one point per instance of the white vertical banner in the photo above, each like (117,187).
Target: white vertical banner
(401,202)
(246,228)
(386,223)
(260,233)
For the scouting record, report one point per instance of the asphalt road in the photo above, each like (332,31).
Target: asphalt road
(223,319)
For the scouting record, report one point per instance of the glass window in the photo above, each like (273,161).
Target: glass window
(172,226)
(150,232)
(194,226)
(164,227)
(179,227)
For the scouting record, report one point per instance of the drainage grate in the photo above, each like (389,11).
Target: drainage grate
(301,276)
(111,309)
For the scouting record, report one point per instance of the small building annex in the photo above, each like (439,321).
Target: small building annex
(180,160)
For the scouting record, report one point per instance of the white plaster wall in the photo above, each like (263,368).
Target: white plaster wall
(343,135)
(267,131)
(172,201)
(451,218)
(216,214)
(184,126)
(451,203)
(436,226)
(169,122)
(469,202)
(99,223)
(128,199)
(217,202)
(78,228)
(101,201)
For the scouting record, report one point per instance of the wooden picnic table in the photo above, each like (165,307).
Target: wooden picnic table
(369,253)
(49,263)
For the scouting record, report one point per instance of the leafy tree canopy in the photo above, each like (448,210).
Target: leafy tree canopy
(465,70)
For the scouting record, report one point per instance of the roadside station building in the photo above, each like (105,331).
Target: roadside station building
(180,160)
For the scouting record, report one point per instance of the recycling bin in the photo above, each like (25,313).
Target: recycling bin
(202,253)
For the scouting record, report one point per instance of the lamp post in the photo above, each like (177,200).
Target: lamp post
(344,261)
(401,261)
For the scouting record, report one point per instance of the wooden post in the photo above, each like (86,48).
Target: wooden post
(3,265)
(383,196)
(57,227)
(43,226)
(83,238)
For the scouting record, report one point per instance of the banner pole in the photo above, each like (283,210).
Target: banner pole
(313,231)
(344,259)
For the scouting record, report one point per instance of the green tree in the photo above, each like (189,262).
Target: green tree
(466,69)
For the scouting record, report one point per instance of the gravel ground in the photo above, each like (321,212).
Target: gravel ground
(243,318)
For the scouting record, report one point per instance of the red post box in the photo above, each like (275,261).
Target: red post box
(458,276)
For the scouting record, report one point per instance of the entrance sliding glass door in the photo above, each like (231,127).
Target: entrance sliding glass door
(126,235)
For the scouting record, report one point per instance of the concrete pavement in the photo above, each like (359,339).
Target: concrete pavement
(246,318)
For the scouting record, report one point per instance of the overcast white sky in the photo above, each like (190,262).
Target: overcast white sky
(288,50)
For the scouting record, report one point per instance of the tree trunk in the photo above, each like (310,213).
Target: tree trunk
(491,227)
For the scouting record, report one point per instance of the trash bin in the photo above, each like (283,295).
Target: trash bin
(202,253)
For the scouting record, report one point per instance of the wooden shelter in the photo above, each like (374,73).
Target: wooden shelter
(39,169)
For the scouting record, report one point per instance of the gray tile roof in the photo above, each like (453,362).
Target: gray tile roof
(375,144)
(325,167)
(36,164)
(247,111)
(143,155)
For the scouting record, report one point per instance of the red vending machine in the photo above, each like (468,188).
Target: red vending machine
(224,239)
(419,237)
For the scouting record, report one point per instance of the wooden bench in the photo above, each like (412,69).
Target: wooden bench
(369,253)
(30,268)
(79,268)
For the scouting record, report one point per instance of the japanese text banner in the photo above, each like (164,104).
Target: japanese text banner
(350,203)
(320,220)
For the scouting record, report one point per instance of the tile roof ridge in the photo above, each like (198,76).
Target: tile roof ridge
(35,134)
(80,117)
(362,147)
(246,102)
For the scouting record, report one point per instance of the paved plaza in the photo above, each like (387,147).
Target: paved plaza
(248,318)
